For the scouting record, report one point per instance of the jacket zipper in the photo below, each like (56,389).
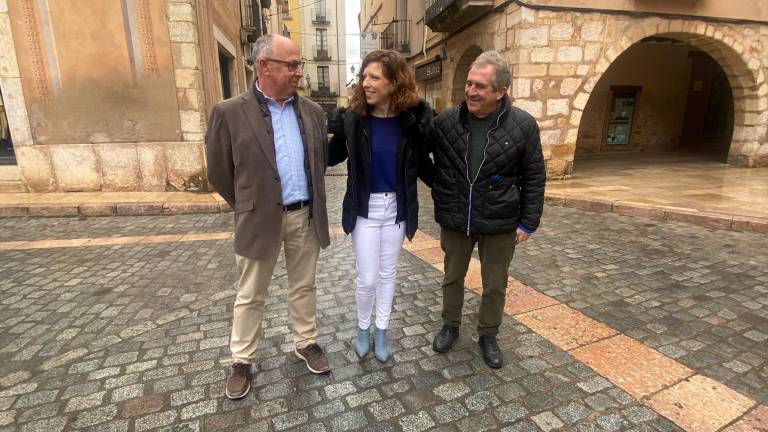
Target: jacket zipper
(354,184)
(405,183)
(466,162)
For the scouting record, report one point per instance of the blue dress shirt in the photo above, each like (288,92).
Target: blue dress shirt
(289,150)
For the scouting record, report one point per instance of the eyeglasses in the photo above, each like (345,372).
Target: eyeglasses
(292,66)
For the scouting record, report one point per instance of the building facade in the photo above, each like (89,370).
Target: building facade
(123,109)
(324,46)
(317,27)
(606,76)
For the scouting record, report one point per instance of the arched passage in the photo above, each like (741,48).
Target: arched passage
(725,58)
(460,74)
(660,95)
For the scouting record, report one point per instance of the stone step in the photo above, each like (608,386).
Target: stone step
(7,186)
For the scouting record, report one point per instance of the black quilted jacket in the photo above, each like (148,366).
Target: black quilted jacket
(351,142)
(509,188)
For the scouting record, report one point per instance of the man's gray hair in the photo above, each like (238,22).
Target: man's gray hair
(503,76)
(263,47)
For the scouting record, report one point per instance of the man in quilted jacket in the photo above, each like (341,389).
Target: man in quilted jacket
(488,190)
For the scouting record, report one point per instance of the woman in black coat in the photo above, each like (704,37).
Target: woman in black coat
(381,136)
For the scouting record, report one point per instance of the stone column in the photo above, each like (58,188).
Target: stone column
(183,162)
(34,164)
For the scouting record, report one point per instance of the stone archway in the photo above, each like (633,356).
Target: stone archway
(743,70)
(461,71)
(660,96)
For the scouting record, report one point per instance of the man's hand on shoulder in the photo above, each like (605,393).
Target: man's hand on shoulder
(336,120)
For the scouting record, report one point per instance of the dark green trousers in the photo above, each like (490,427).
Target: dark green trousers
(496,251)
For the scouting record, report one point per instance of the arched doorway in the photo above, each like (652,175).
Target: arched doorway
(662,95)
(462,69)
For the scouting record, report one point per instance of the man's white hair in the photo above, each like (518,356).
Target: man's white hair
(263,47)
(503,77)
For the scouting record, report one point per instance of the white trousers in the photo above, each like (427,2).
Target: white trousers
(377,241)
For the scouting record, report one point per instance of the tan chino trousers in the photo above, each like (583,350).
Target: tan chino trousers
(302,248)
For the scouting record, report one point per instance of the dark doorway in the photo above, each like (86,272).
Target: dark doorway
(225,65)
(7,156)
(708,123)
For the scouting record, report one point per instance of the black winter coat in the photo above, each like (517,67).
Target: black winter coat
(351,142)
(508,189)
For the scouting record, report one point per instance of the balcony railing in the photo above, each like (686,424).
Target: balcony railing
(322,52)
(250,26)
(323,89)
(451,15)
(397,36)
(320,16)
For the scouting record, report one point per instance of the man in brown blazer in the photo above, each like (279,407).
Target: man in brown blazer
(267,151)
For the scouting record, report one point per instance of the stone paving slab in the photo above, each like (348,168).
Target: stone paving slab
(754,421)
(700,404)
(565,327)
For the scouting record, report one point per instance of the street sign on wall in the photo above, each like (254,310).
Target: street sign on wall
(369,41)
(429,71)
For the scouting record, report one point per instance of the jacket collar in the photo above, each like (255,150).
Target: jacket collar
(261,98)
(502,110)
(419,114)
(255,98)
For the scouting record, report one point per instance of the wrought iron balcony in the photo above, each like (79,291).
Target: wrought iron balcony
(250,16)
(323,89)
(322,52)
(451,15)
(320,16)
(397,36)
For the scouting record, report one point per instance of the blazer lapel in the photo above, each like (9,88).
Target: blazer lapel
(259,119)
(306,131)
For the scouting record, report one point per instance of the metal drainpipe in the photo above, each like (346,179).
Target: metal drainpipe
(338,52)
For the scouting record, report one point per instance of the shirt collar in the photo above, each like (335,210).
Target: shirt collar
(256,83)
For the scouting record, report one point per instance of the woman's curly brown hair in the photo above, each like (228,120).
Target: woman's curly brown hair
(396,70)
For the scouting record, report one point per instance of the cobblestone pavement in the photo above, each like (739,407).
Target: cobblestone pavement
(135,336)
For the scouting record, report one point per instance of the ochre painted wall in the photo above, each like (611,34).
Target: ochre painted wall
(93,72)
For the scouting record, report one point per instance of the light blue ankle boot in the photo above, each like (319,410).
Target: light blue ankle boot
(363,342)
(380,344)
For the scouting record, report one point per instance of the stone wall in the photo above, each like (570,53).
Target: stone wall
(560,57)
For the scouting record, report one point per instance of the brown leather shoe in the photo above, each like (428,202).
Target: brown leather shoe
(238,381)
(315,358)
